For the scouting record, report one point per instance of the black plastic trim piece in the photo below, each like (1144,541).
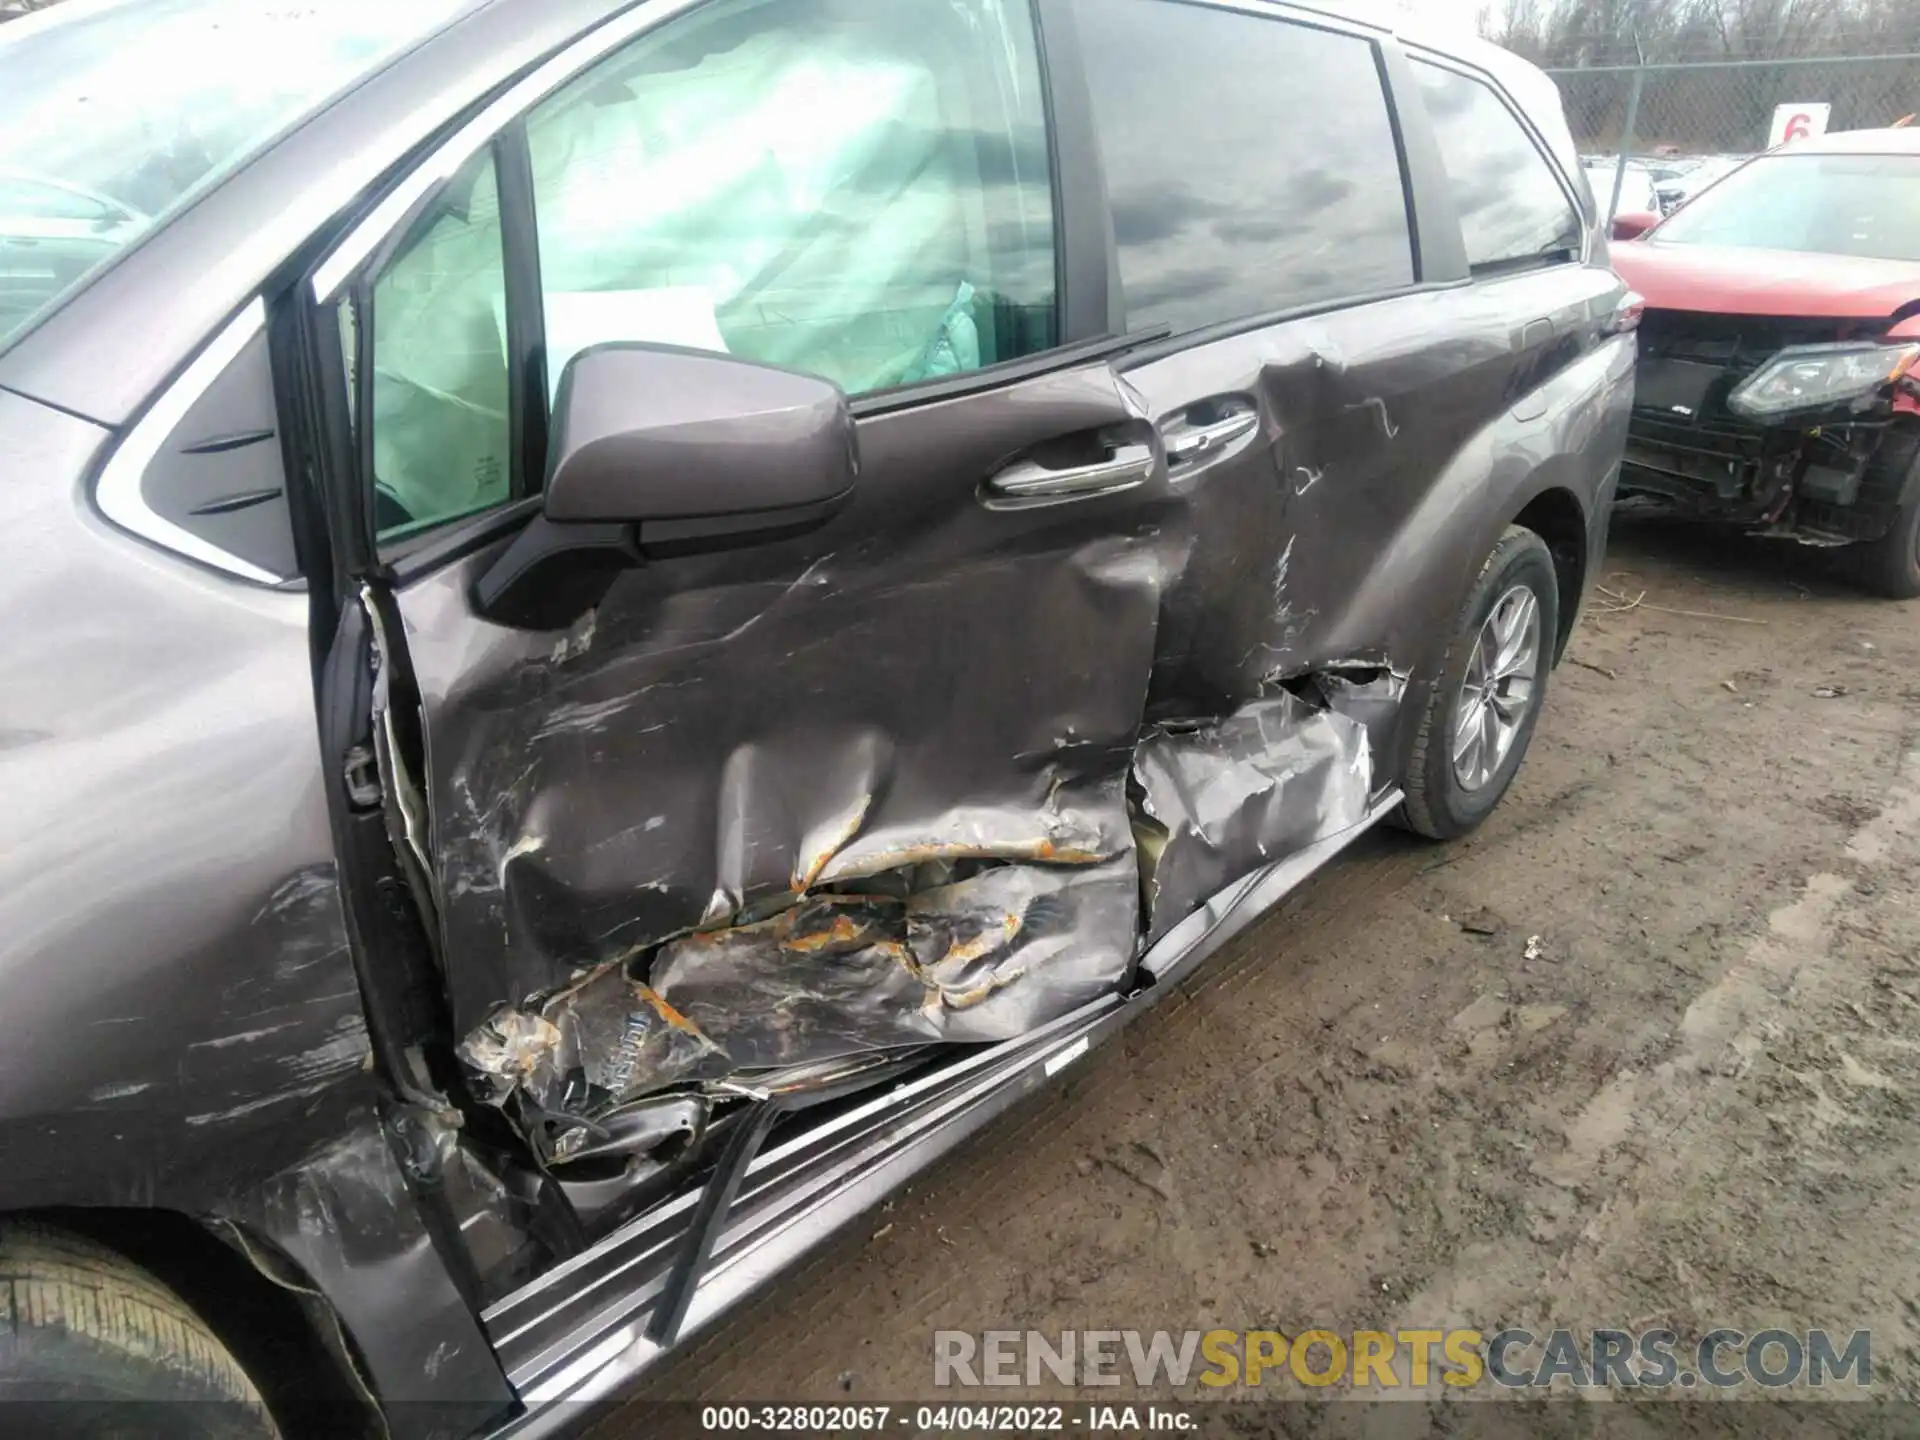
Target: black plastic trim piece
(1441,246)
(1440,249)
(227,504)
(226,443)
(716,1201)
(434,549)
(995,377)
(1089,301)
(391,952)
(553,574)
(294,337)
(527,412)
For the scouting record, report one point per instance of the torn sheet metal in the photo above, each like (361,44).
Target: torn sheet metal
(1373,694)
(725,743)
(1222,799)
(987,955)
(583,1054)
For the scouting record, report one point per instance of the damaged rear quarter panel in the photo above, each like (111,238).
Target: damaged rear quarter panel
(1393,453)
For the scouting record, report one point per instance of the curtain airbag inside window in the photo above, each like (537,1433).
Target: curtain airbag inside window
(795,204)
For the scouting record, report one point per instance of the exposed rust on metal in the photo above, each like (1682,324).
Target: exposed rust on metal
(1043,850)
(666,1011)
(840,931)
(805,878)
(990,939)
(973,995)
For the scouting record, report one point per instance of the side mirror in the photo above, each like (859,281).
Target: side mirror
(1632,224)
(658,451)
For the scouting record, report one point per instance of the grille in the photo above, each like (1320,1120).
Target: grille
(1737,344)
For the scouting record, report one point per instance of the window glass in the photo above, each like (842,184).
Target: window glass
(1866,206)
(122,112)
(854,188)
(1250,162)
(44,200)
(1512,210)
(441,434)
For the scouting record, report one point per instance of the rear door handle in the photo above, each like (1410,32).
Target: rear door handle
(1027,482)
(1193,442)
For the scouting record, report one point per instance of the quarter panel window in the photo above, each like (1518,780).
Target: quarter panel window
(855,188)
(1512,209)
(1251,162)
(219,475)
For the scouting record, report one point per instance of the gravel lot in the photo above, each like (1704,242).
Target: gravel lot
(1695,1105)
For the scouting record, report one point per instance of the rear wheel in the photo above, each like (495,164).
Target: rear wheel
(94,1348)
(1481,712)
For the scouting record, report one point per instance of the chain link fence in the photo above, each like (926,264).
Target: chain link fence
(1647,127)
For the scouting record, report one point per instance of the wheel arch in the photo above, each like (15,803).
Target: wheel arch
(1557,517)
(277,1325)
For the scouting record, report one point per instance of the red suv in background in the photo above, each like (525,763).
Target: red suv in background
(1778,387)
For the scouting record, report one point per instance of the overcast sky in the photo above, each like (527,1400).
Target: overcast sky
(1462,13)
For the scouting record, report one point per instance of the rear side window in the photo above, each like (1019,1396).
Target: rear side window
(1513,212)
(1251,162)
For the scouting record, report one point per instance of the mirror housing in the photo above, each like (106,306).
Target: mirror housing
(659,451)
(1632,224)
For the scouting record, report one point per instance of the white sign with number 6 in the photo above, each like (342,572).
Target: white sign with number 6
(1798,122)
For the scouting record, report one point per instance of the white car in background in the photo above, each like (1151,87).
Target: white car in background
(1692,175)
(1638,193)
(51,232)
(1655,187)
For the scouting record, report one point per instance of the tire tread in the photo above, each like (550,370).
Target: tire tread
(1416,808)
(56,1281)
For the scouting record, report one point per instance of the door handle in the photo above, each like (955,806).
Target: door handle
(1027,482)
(1192,443)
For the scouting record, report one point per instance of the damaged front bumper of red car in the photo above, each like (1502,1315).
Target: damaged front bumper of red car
(1773,426)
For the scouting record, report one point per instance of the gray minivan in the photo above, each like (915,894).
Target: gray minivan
(624,619)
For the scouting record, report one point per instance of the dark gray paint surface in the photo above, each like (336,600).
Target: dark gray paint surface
(345,1218)
(181,1012)
(927,692)
(921,679)
(182,1027)
(652,432)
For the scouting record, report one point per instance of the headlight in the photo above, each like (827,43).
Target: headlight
(1807,377)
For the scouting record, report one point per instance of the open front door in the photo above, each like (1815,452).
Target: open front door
(856,790)
(713,785)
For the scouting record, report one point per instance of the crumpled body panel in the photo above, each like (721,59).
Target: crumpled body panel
(984,957)
(1226,798)
(731,803)
(793,789)
(590,1048)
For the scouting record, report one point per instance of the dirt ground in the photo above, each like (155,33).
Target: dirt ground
(1691,1101)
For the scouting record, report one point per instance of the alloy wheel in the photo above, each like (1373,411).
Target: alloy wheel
(1498,688)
